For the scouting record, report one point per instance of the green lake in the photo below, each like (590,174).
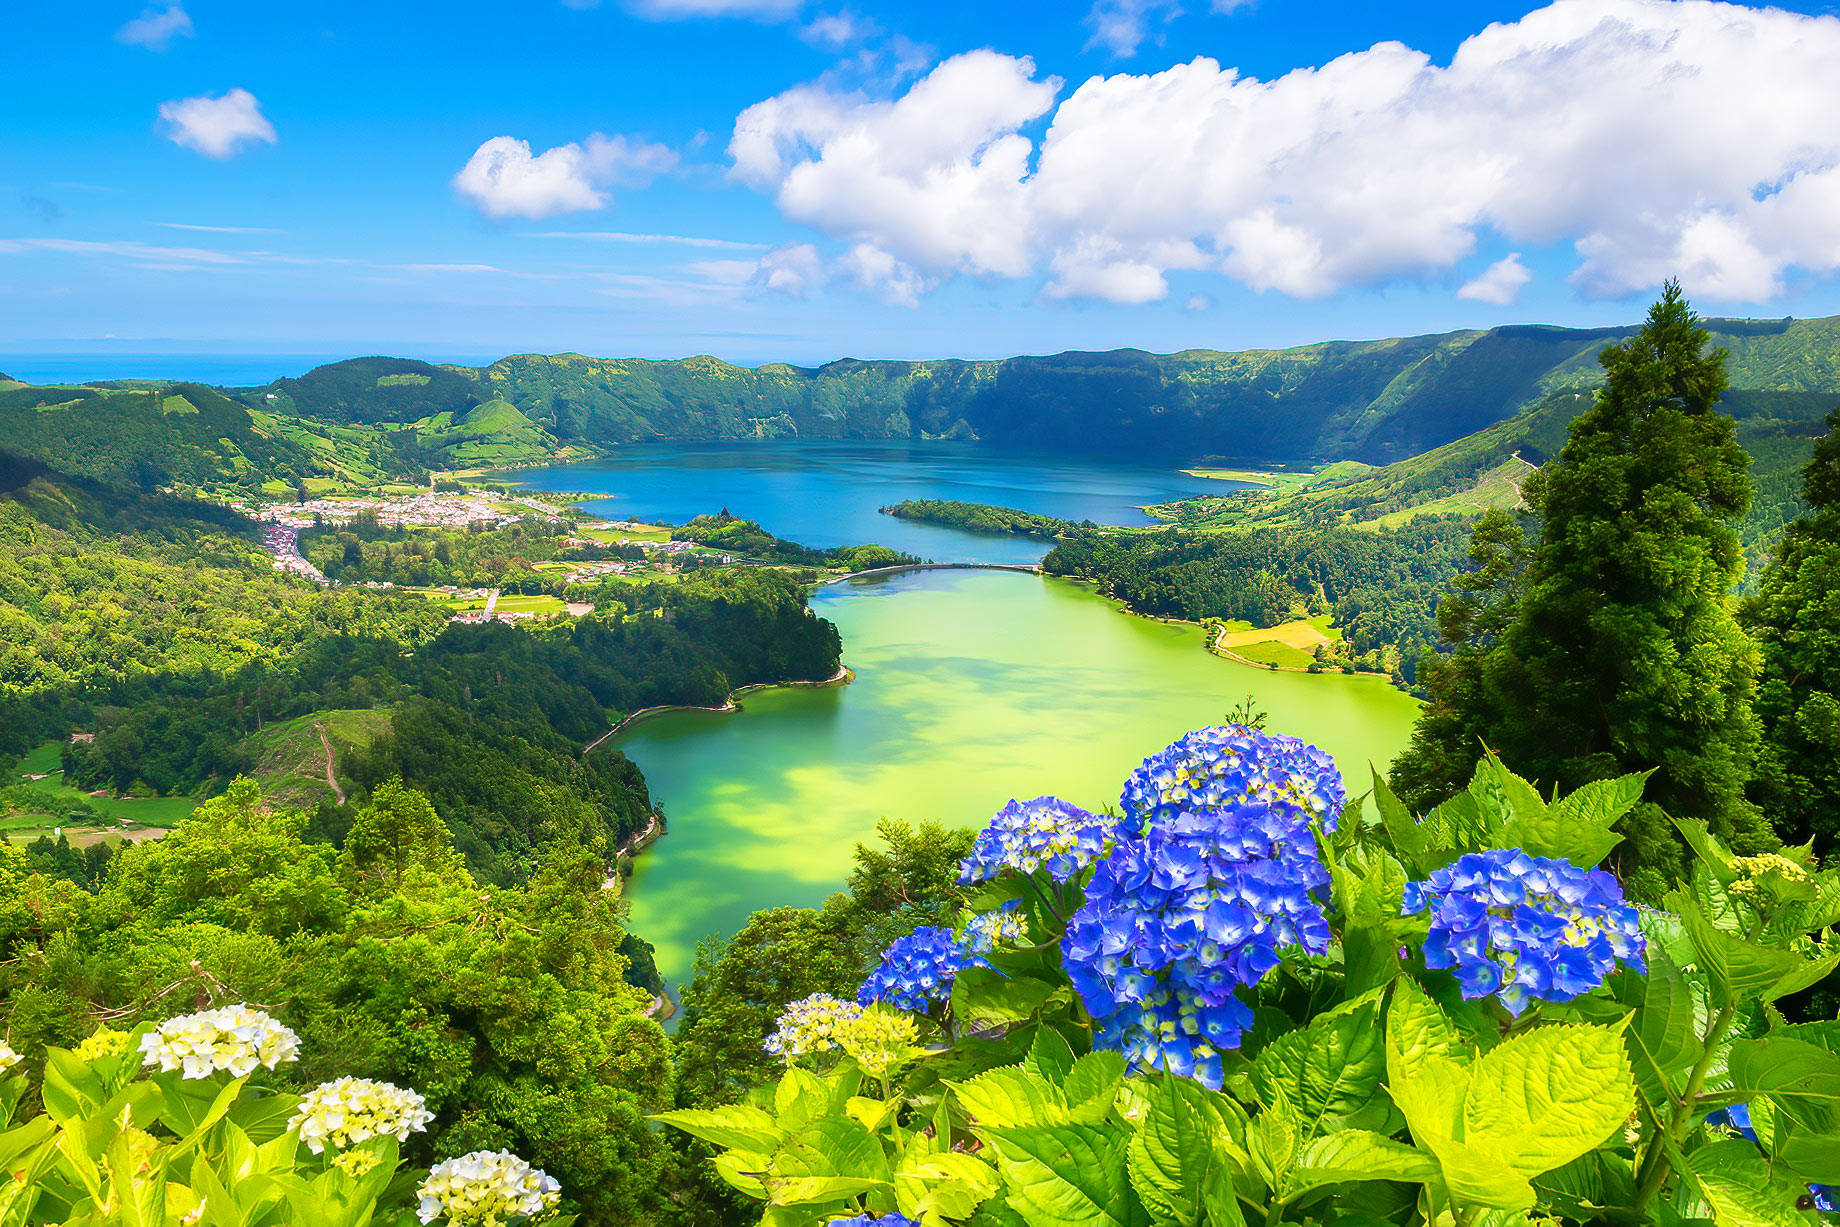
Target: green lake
(972,687)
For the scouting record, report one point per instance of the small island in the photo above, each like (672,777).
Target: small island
(985,518)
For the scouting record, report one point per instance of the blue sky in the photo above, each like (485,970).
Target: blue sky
(871,179)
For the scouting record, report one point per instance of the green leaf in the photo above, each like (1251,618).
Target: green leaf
(948,1185)
(1354,1155)
(1431,1090)
(1577,828)
(1743,1189)
(817,1190)
(1801,1078)
(982,995)
(1011,1097)
(1742,970)
(1066,1176)
(1050,1056)
(1222,1201)
(1545,1097)
(1410,841)
(1418,1027)
(1712,854)
(1331,1070)
(1176,1147)
(1369,886)
(832,1146)
(800,1096)
(742,1170)
(738,1126)
(1091,1086)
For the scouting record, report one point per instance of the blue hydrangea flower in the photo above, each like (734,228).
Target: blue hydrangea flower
(1517,927)
(866,1220)
(1046,833)
(1177,919)
(1006,925)
(1221,767)
(918,970)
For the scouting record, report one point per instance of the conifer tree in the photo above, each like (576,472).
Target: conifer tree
(1616,648)
(1795,616)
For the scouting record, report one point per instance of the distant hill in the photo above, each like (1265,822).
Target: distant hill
(1376,401)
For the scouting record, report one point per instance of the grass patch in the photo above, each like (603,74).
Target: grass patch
(42,761)
(1268,652)
(612,536)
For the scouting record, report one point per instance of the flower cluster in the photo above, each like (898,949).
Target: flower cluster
(353,1110)
(1178,918)
(235,1038)
(918,970)
(101,1044)
(1519,926)
(988,930)
(1046,833)
(8,1058)
(1220,767)
(879,1040)
(868,1220)
(487,1187)
(810,1026)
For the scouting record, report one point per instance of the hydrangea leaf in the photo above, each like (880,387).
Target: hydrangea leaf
(1544,1098)
(1222,1200)
(1411,841)
(794,1191)
(1177,1145)
(982,995)
(1803,1079)
(1050,1056)
(1743,1188)
(1742,970)
(829,1146)
(1011,1097)
(1357,1154)
(1578,827)
(1067,1176)
(1417,1026)
(1331,1070)
(1368,887)
(736,1127)
(948,1185)
(1091,1086)
(800,1096)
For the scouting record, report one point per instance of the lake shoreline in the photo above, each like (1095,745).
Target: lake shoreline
(843,677)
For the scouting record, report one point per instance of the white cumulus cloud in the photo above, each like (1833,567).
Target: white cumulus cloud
(218,127)
(504,179)
(1657,137)
(1500,283)
(156,27)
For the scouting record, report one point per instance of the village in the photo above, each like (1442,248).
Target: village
(282,522)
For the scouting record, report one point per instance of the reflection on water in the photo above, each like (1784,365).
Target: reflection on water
(972,687)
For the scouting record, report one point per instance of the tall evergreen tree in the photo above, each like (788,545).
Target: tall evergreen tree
(1616,648)
(1795,616)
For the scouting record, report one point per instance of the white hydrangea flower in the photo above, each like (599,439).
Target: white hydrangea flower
(234,1038)
(486,1187)
(810,1026)
(348,1111)
(8,1058)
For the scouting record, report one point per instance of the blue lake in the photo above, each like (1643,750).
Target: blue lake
(825,493)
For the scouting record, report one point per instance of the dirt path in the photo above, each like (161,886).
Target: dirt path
(331,783)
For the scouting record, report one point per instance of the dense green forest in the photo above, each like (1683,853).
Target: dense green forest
(746,539)
(983,518)
(1381,585)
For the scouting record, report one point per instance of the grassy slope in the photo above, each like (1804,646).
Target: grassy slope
(290,758)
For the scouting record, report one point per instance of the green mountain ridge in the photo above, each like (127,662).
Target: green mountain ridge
(371,419)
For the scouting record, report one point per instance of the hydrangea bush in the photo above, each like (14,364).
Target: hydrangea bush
(162,1125)
(1245,999)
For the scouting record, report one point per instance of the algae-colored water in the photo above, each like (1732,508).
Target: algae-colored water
(971,687)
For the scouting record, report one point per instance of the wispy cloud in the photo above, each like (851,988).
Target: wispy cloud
(155,28)
(220,229)
(616,236)
(130,250)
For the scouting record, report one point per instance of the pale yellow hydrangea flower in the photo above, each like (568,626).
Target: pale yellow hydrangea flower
(235,1038)
(487,1187)
(8,1058)
(353,1110)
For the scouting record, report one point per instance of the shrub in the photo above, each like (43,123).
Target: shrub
(1246,1001)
